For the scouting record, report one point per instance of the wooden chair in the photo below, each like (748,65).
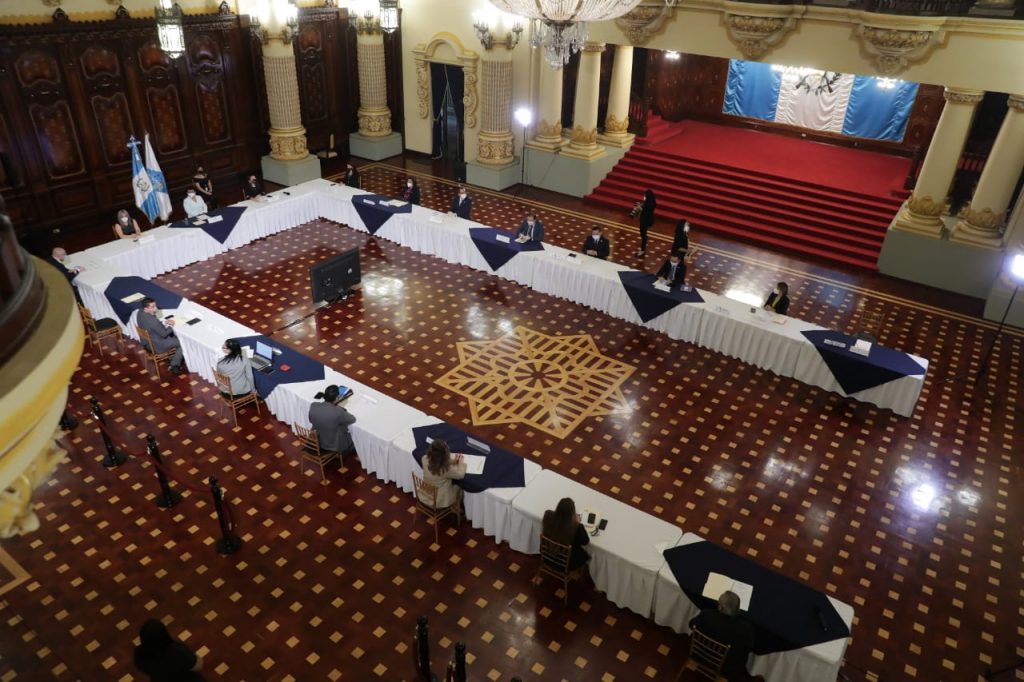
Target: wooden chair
(869,324)
(554,561)
(223,382)
(431,511)
(97,330)
(707,656)
(312,453)
(152,354)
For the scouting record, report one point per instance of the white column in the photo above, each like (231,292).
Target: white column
(616,121)
(983,219)
(583,142)
(549,114)
(374,115)
(287,136)
(922,212)
(494,144)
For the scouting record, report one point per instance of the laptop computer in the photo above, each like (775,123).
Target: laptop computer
(263,359)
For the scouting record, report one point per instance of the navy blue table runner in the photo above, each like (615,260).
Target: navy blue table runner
(220,230)
(300,367)
(502,470)
(120,287)
(786,614)
(649,302)
(498,253)
(855,372)
(375,214)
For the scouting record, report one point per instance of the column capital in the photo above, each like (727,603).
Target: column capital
(963,95)
(591,46)
(1016,102)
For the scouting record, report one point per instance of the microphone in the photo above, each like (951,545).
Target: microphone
(821,619)
(286,193)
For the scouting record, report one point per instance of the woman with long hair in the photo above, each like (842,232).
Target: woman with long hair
(236,367)
(646,207)
(440,469)
(411,193)
(204,186)
(563,526)
(125,227)
(163,658)
(681,239)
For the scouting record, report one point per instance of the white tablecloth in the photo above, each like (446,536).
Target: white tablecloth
(624,558)
(818,663)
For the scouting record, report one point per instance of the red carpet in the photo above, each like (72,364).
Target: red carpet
(822,200)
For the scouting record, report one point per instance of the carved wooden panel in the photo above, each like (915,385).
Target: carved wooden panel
(104,85)
(163,100)
(207,67)
(312,73)
(924,116)
(42,85)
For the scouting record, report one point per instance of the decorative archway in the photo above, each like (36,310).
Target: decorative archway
(446,48)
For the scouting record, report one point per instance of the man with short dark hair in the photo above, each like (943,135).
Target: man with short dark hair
(252,188)
(531,229)
(351,178)
(331,421)
(673,272)
(596,244)
(462,205)
(724,625)
(161,332)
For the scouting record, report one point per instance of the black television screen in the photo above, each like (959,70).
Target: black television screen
(335,276)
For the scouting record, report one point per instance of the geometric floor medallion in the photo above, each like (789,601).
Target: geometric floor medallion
(551,383)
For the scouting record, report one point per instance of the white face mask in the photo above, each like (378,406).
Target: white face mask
(124,220)
(191,195)
(775,291)
(462,194)
(409,185)
(686,227)
(595,236)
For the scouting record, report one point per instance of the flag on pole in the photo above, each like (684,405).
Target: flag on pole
(145,199)
(156,178)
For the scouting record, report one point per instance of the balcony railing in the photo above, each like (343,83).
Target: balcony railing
(1005,9)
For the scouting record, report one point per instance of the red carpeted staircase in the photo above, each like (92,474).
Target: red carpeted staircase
(781,209)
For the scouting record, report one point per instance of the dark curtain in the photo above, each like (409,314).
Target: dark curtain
(446,89)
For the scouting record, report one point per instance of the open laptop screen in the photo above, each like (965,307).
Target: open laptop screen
(264,350)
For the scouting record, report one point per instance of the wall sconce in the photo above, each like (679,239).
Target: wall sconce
(169,28)
(287,34)
(388,16)
(482,24)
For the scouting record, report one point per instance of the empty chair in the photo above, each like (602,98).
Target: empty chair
(97,330)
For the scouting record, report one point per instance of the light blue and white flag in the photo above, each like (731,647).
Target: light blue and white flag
(145,198)
(156,178)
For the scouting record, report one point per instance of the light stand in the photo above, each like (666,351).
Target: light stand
(523,117)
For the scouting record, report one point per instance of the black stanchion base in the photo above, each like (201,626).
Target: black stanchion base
(229,544)
(171,499)
(114,459)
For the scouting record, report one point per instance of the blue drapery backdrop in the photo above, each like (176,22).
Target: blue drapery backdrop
(875,108)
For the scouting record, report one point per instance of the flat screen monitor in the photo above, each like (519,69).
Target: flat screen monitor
(335,276)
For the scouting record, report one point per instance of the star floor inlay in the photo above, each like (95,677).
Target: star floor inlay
(552,383)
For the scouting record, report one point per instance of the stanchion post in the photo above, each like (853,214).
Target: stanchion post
(229,543)
(421,651)
(115,457)
(67,421)
(168,496)
(460,662)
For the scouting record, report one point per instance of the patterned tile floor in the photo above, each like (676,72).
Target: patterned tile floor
(913,521)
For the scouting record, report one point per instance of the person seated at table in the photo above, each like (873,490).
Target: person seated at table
(204,186)
(462,205)
(681,240)
(724,624)
(440,469)
(597,245)
(331,421)
(673,272)
(778,300)
(57,259)
(236,367)
(411,193)
(252,188)
(531,229)
(352,178)
(562,525)
(163,658)
(126,227)
(193,204)
(161,332)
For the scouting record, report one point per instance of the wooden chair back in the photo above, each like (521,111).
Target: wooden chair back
(312,453)
(555,561)
(707,656)
(151,352)
(227,395)
(428,491)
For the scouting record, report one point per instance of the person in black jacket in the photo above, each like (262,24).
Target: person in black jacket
(411,193)
(56,259)
(724,625)
(563,526)
(778,300)
(462,204)
(681,240)
(252,188)
(646,219)
(163,658)
(596,244)
(352,178)
(673,272)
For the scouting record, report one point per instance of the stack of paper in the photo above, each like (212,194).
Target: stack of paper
(474,464)
(718,583)
(862,347)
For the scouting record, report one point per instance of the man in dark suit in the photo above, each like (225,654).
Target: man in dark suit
(531,229)
(596,244)
(725,626)
(673,272)
(331,421)
(252,188)
(161,332)
(56,259)
(462,205)
(778,300)
(352,178)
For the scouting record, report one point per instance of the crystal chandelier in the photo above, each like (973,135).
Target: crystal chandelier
(559,26)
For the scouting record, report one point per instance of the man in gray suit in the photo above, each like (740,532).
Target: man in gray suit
(161,332)
(331,421)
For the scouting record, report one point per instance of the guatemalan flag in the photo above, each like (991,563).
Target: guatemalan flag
(145,197)
(156,178)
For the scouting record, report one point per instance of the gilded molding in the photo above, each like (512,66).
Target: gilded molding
(422,88)
(470,99)
(925,206)
(583,136)
(984,220)
(754,36)
(614,125)
(16,514)
(288,145)
(1016,102)
(593,46)
(467,59)
(375,122)
(547,130)
(893,49)
(642,22)
(963,96)
(494,149)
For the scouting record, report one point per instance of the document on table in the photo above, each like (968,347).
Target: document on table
(718,583)
(474,464)
(660,286)
(397,203)
(133,298)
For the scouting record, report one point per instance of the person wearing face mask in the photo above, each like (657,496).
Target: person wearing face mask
(125,227)
(681,240)
(204,188)
(597,245)
(411,193)
(778,300)
(161,332)
(646,210)
(462,205)
(236,368)
(252,188)
(331,421)
(352,178)
(193,204)
(673,272)
(57,259)
(531,229)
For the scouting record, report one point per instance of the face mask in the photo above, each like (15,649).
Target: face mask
(409,185)
(596,236)
(462,194)
(775,291)
(124,220)
(686,227)
(191,195)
